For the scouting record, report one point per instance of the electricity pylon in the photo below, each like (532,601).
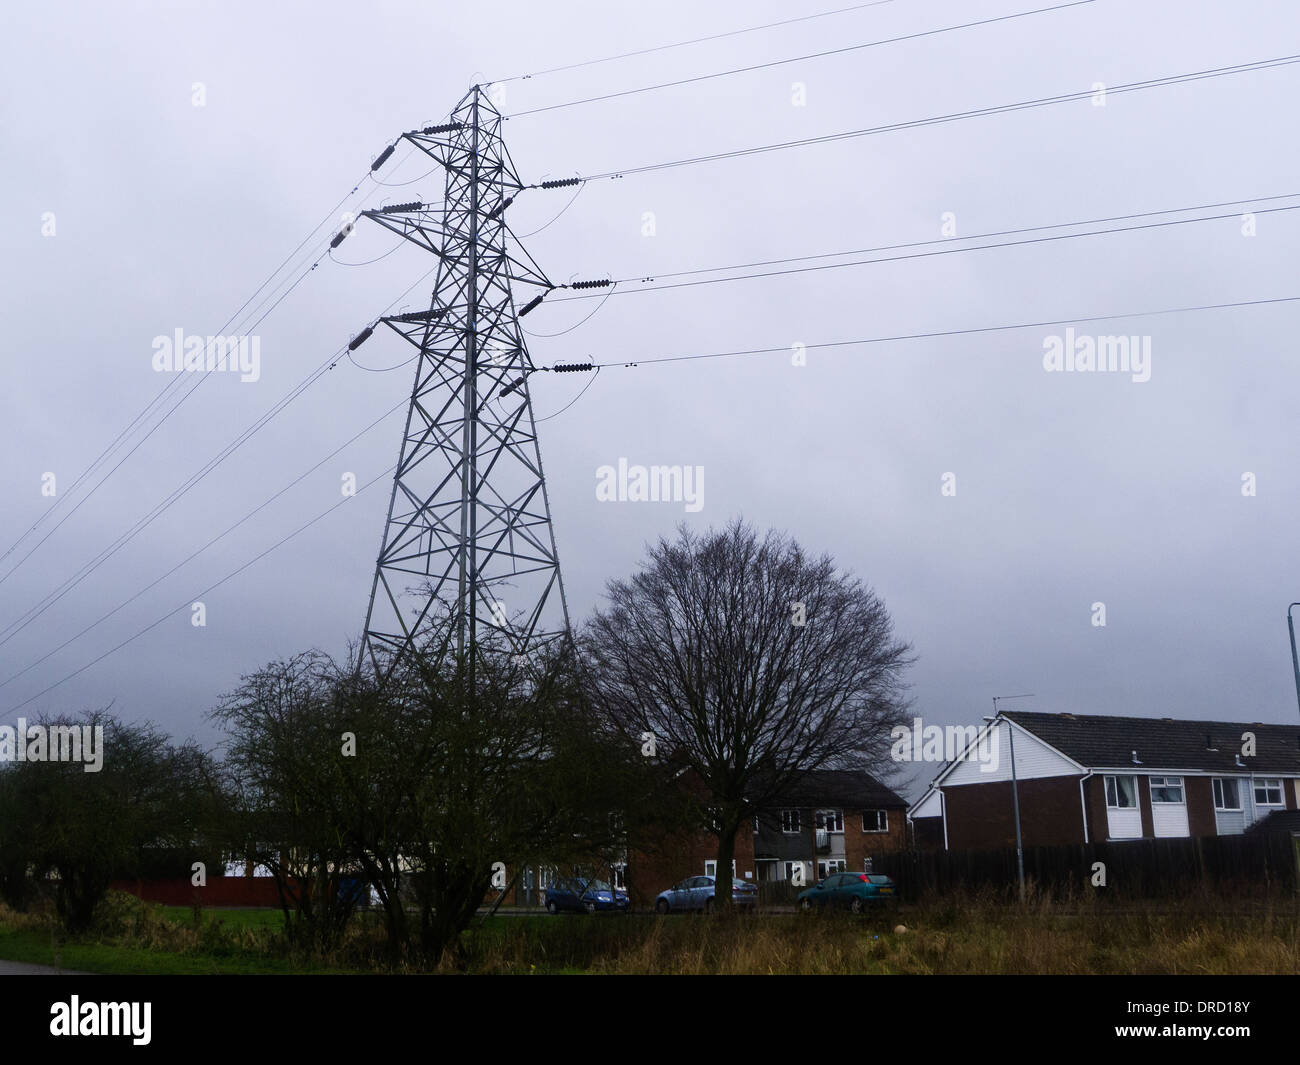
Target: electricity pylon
(468,545)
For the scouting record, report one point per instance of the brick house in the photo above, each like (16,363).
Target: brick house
(1084,778)
(828,820)
(832,820)
(838,820)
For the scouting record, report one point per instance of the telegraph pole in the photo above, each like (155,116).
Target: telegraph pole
(1295,659)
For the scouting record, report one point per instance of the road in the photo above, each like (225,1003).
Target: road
(22,968)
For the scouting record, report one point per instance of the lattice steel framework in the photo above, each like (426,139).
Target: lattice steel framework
(468,539)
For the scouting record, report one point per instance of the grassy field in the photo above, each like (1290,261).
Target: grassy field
(965,938)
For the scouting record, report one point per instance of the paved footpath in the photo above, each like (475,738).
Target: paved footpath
(22,968)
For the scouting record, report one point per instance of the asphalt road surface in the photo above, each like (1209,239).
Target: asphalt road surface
(22,968)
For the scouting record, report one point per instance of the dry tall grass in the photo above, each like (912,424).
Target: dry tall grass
(966,935)
(969,936)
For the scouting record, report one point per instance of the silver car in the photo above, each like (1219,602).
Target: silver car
(696,893)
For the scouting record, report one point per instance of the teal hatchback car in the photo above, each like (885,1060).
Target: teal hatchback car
(854,891)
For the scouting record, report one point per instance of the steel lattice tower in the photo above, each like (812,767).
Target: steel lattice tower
(468,543)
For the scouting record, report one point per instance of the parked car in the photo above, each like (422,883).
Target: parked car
(696,893)
(354,890)
(856,891)
(576,895)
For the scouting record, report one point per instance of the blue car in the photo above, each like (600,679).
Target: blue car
(856,891)
(696,893)
(578,895)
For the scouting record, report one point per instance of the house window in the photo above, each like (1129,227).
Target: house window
(1226,794)
(1121,793)
(875,821)
(831,820)
(1167,789)
(790,822)
(756,824)
(711,868)
(827,866)
(1268,791)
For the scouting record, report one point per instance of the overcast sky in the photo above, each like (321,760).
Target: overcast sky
(179,151)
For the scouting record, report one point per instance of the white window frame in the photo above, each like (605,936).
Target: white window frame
(830,866)
(829,819)
(1111,782)
(711,868)
(1265,784)
(883,817)
(790,815)
(1217,786)
(1167,783)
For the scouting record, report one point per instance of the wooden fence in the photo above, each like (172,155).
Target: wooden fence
(1252,865)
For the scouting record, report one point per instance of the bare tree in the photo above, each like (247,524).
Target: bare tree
(284,729)
(427,785)
(750,663)
(70,833)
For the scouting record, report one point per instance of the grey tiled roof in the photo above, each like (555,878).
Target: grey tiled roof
(846,788)
(1096,740)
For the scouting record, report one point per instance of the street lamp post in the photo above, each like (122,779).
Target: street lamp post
(1015,788)
(1295,662)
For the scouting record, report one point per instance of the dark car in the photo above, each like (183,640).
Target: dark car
(578,895)
(696,893)
(855,891)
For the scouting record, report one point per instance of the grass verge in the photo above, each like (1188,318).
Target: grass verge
(968,937)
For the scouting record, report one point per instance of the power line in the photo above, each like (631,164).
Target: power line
(1043,101)
(973,236)
(555,218)
(798,59)
(367,262)
(677,358)
(567,405)
(139,443)
(900,258)
(683,44)
(382,369)
(144,411)
(18,624)
(602,296)
(197,382)
(193,555)
(954,332)
(205,591)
